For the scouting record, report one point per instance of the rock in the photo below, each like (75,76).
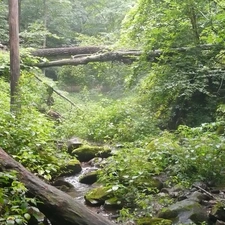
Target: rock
(198,196)
(89,178)
(152,184)
(153,221)
(37,217)
(86,152)
(61,182)
(112,203)
(219,222)
(97,196)
(73,143)
(71,167)
(97,162)
(185,212)
(218,212)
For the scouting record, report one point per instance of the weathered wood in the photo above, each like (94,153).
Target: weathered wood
(67,51)
(60,208)
(85,55)
(124,57)
(14,51)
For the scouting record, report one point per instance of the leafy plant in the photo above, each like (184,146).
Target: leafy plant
(14,204)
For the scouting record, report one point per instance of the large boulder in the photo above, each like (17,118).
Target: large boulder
(186,211)
(70,167)
(97,196)
(89,178)
(87,152)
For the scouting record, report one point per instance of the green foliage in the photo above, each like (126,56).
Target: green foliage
(179,84)
(117,120)
(3,22)
(35,34)
(188,155)
(102,77)
(14,203)
(68,19)
(4,65)
(29,135)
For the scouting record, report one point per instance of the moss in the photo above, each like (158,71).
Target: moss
(113,203)
(87,152)
(89,178)
(153,221)
(166,213)
(71,167)
(98,195)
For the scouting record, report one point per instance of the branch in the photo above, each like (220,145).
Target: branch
(125,57)
(58,93)
(68,51)
(85,55)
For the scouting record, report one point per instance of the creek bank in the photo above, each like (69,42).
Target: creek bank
(199,204)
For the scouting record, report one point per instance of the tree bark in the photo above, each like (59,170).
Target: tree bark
(66,52)
(125,57)
(85,55)
(14,51)
(59,208)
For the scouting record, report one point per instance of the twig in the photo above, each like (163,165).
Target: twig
(209,194)
(58,93)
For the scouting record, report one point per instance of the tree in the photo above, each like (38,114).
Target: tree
(180,87)
(14,51)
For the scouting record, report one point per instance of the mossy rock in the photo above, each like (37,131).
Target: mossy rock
(153,221)
(97,196)
(87,152)
(71,167)
(74,143)
(185,211)
(154,183)
(113,203)
(89,178)
(166,213)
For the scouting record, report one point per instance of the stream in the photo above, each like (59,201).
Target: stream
(81,189)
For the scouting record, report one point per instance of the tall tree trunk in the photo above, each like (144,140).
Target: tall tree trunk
(14,51)
(45,19)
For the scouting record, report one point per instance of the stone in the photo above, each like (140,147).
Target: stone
(112,204)
(219,222)
(185,212)
(73,143)
(218,212)
(87,152)
(89,178)
(97,196)
(153,221)
(71,167)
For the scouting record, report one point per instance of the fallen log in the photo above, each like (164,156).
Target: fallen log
(124,57)
(59,208)
(67,51)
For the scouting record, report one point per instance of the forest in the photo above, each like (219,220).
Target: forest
(112,112)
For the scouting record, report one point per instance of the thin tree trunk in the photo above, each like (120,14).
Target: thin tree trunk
(14,51)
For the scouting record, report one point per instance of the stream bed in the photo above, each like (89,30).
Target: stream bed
(81,189)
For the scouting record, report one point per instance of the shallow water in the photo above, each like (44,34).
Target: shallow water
(81,189)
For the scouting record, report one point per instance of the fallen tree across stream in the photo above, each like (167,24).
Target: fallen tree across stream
(58,207)
(84,55)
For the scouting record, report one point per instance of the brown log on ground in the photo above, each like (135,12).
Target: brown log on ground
(60,208)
